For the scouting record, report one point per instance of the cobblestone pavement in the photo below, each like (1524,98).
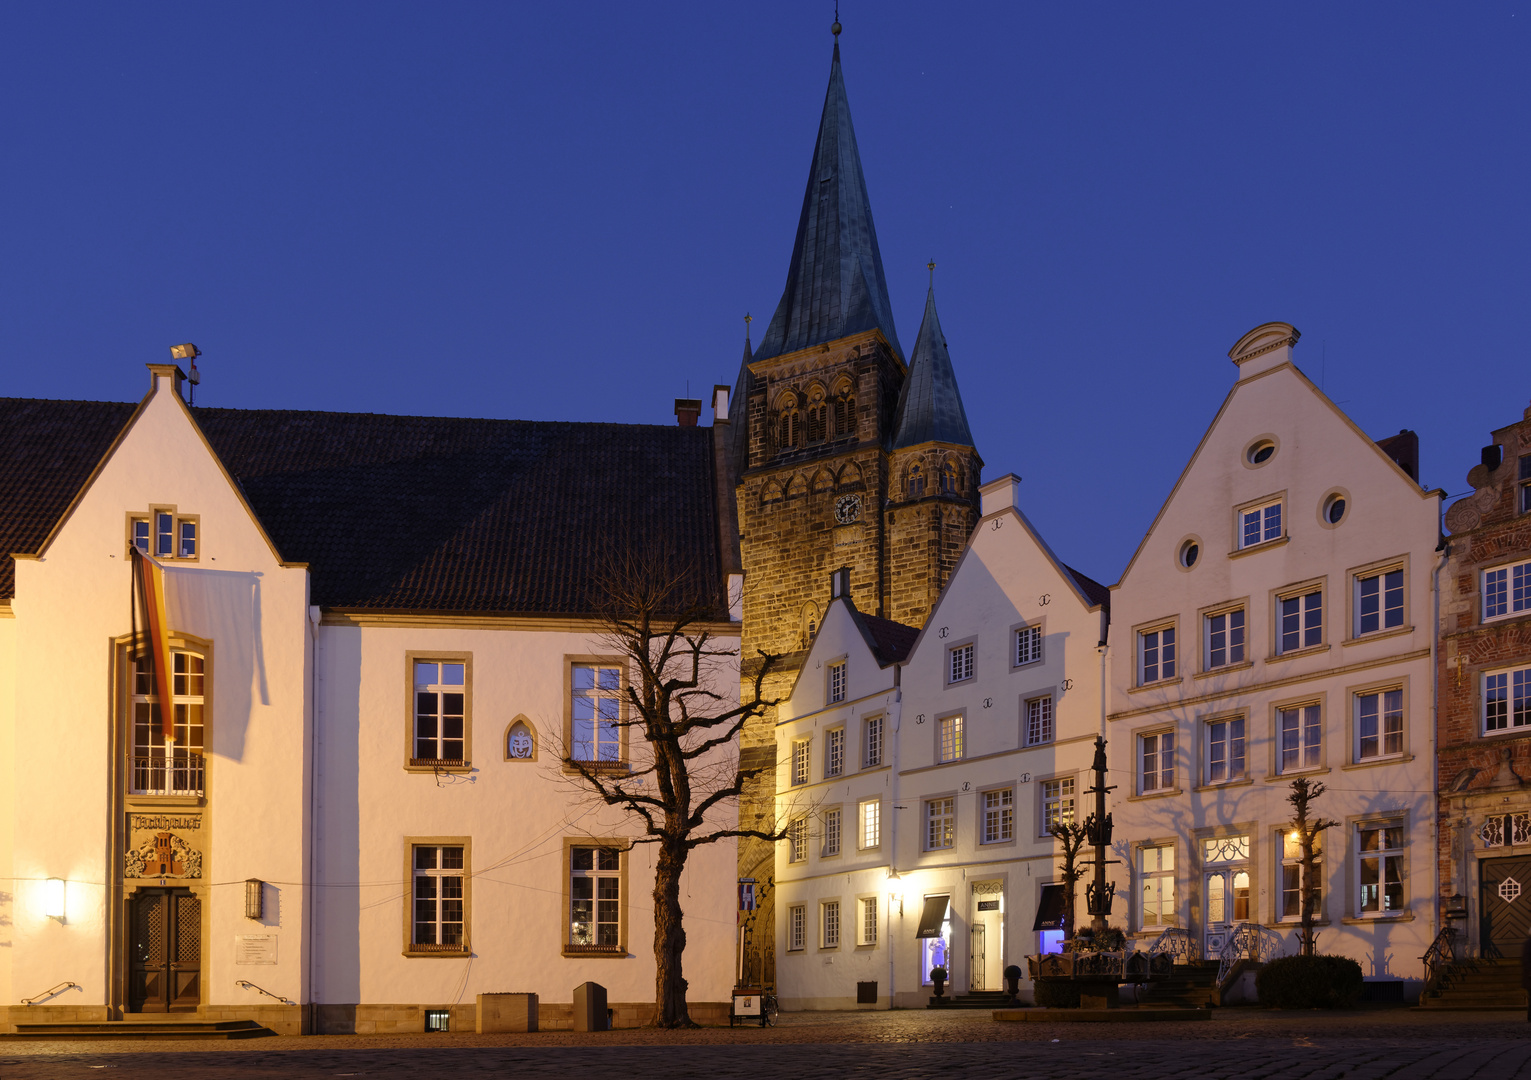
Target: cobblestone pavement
(1242,1044)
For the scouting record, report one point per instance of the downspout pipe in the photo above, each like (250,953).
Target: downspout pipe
(308,996)
(895,720)
(1435,720)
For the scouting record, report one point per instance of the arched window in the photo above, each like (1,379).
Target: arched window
(844,412)
(520,741)
(789,425)
(818,417)
(949,479)
(916,481)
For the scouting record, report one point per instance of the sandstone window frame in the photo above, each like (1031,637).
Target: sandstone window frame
(951,737)
(509,746)
(573,661)
(1039,719)
(1382,855)
(595,951)
(427,950)
(194,792)
(939,822)
(1288,891)
(1515,589)
(1148,865)
(1299,705)
(800,764)
(834,752)
(182,528)
(1301,619)
(996,815)
(1151,745)
(831,924)
(832,843)
(1260,523)
(962,662)
(835,682)
(1356,602)
(1027,641)
(874,732)
(1233,741)
(1150,641)
(1218,644)
(1379,689)
(868,915)
(1516,688)
(415,764)
(1057,799)
(797,928)
(869,824)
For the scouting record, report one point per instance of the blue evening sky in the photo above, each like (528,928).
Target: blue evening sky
(563,211)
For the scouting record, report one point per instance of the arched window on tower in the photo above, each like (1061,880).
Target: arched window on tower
(818,416)
(949,479)
(788,425)
(916,481)
(845,416)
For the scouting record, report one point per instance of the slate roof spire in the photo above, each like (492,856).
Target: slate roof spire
(835,284)
(738,410)
(929,406)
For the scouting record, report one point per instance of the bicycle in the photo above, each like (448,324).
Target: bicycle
(769,1010)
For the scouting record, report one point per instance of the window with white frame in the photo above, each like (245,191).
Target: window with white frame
(1291,874)
(1379,601)
(1260,524)
(1156,757)
(959,663)
(999,816)
(1028,645)
(1379,724)
(834,752)
(1300,620)
(595,897)
(1156,655)
(440,710)
(831,832)
(1379,868)
(871,741)
(868,927)
(836,682)
(438,895)
(800,750)
(940,823)
(1225,750)
(1224,634)
(1156,885)
(949,738)
(829,932)
(870,815)
(176,768)
(797,927)
(596,700)
(797,840)
(1506,590)
(1039,721)
(1506,701)
(1057,803)
(1301,734)
(165,534)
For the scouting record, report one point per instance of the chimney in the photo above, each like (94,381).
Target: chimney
(687,410)
(720,403)
(840,583)
(170,374)
(1404,449)
(1000,494)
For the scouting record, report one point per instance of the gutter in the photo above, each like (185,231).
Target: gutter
(1435,730)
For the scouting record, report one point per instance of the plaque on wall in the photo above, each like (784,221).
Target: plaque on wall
(254,949)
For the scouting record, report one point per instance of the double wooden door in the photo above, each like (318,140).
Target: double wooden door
(1505,905)
(165,951)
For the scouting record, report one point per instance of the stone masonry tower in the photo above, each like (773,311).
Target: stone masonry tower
(843,456)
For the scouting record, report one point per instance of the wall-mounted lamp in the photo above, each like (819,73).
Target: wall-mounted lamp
(255,898)
(53,898)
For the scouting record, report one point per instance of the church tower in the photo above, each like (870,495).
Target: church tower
(835,432)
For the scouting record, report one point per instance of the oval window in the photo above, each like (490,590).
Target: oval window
(1261,452)
(1334,509)
(1188,553)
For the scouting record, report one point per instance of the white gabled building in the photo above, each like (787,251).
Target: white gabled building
(1277,621)
(980,734)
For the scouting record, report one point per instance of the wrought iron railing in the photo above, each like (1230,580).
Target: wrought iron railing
(1438,960)
(248,985)
(593,950)
(1175,942)
(1248,941)
(182,773)
(55,992)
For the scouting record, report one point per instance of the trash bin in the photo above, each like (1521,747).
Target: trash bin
(590,1008)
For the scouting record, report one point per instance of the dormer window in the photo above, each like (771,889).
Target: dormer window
(164,534)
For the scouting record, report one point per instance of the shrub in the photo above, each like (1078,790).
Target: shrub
(1056,993)
(1309,982)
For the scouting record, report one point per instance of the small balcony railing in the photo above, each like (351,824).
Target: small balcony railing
(183,773)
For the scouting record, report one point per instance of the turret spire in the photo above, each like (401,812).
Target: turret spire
(930,407)
(835,284)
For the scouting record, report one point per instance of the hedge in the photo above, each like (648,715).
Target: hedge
(1309,982)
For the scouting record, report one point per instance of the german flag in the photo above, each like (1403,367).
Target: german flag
(149,598)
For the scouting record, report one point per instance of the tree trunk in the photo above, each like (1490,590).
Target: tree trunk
(669,939)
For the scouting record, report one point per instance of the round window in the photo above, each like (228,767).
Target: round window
(1260,452)
(1189,551)
(1334,509)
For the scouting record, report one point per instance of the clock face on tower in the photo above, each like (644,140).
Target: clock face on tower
(848,509)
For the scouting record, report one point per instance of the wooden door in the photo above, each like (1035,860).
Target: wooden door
(977,976)
(165,951)
(1505,903)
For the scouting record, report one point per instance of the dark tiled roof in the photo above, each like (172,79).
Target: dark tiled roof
(835,284)
(929,406)
(890,640)
(47,451)
(1098,593)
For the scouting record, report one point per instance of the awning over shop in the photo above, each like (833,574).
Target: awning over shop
(1050,909)
(932,916)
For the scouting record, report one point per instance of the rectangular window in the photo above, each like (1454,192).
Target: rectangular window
(871,823)
(597,704)
(949,732)
(831,928)
(797,840)
(960,663)
(1507,701)
(1379,869)
(1506,590)
(1157,754)
(1301,738)
(868,921)
(187,548)
(836,683)
(1379,724)
(940,823)
(797,927)
(141,534)
(831,832)
(164,534)
(1225,638)
(1039,721)
(1028,645)
(1291,875)
(438,896)
(1260,524)
(1057,803)
(998,816)
(800,748)
(871,742)
(1225,750)
(1156,874)
(1379,602)
(834,752)
(1156,655)
(440,711)
(175,768)
(595,897)
(1302,621)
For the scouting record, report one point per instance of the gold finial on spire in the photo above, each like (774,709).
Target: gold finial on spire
(747,320)
(835,29)
(931,266)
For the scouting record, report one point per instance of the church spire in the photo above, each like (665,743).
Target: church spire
(835,284)
(929,407)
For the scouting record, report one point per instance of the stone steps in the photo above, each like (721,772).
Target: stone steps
(1480,984)
(139,1028)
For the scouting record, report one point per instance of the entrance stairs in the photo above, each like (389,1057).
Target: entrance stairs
(973,999)
(138,1028)
(1477,985)
(1189,986)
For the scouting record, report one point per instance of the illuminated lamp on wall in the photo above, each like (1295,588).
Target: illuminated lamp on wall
(255,898)
(53,898)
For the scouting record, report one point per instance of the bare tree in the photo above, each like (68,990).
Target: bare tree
(1073,838)
(682,729)
(1308,830)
